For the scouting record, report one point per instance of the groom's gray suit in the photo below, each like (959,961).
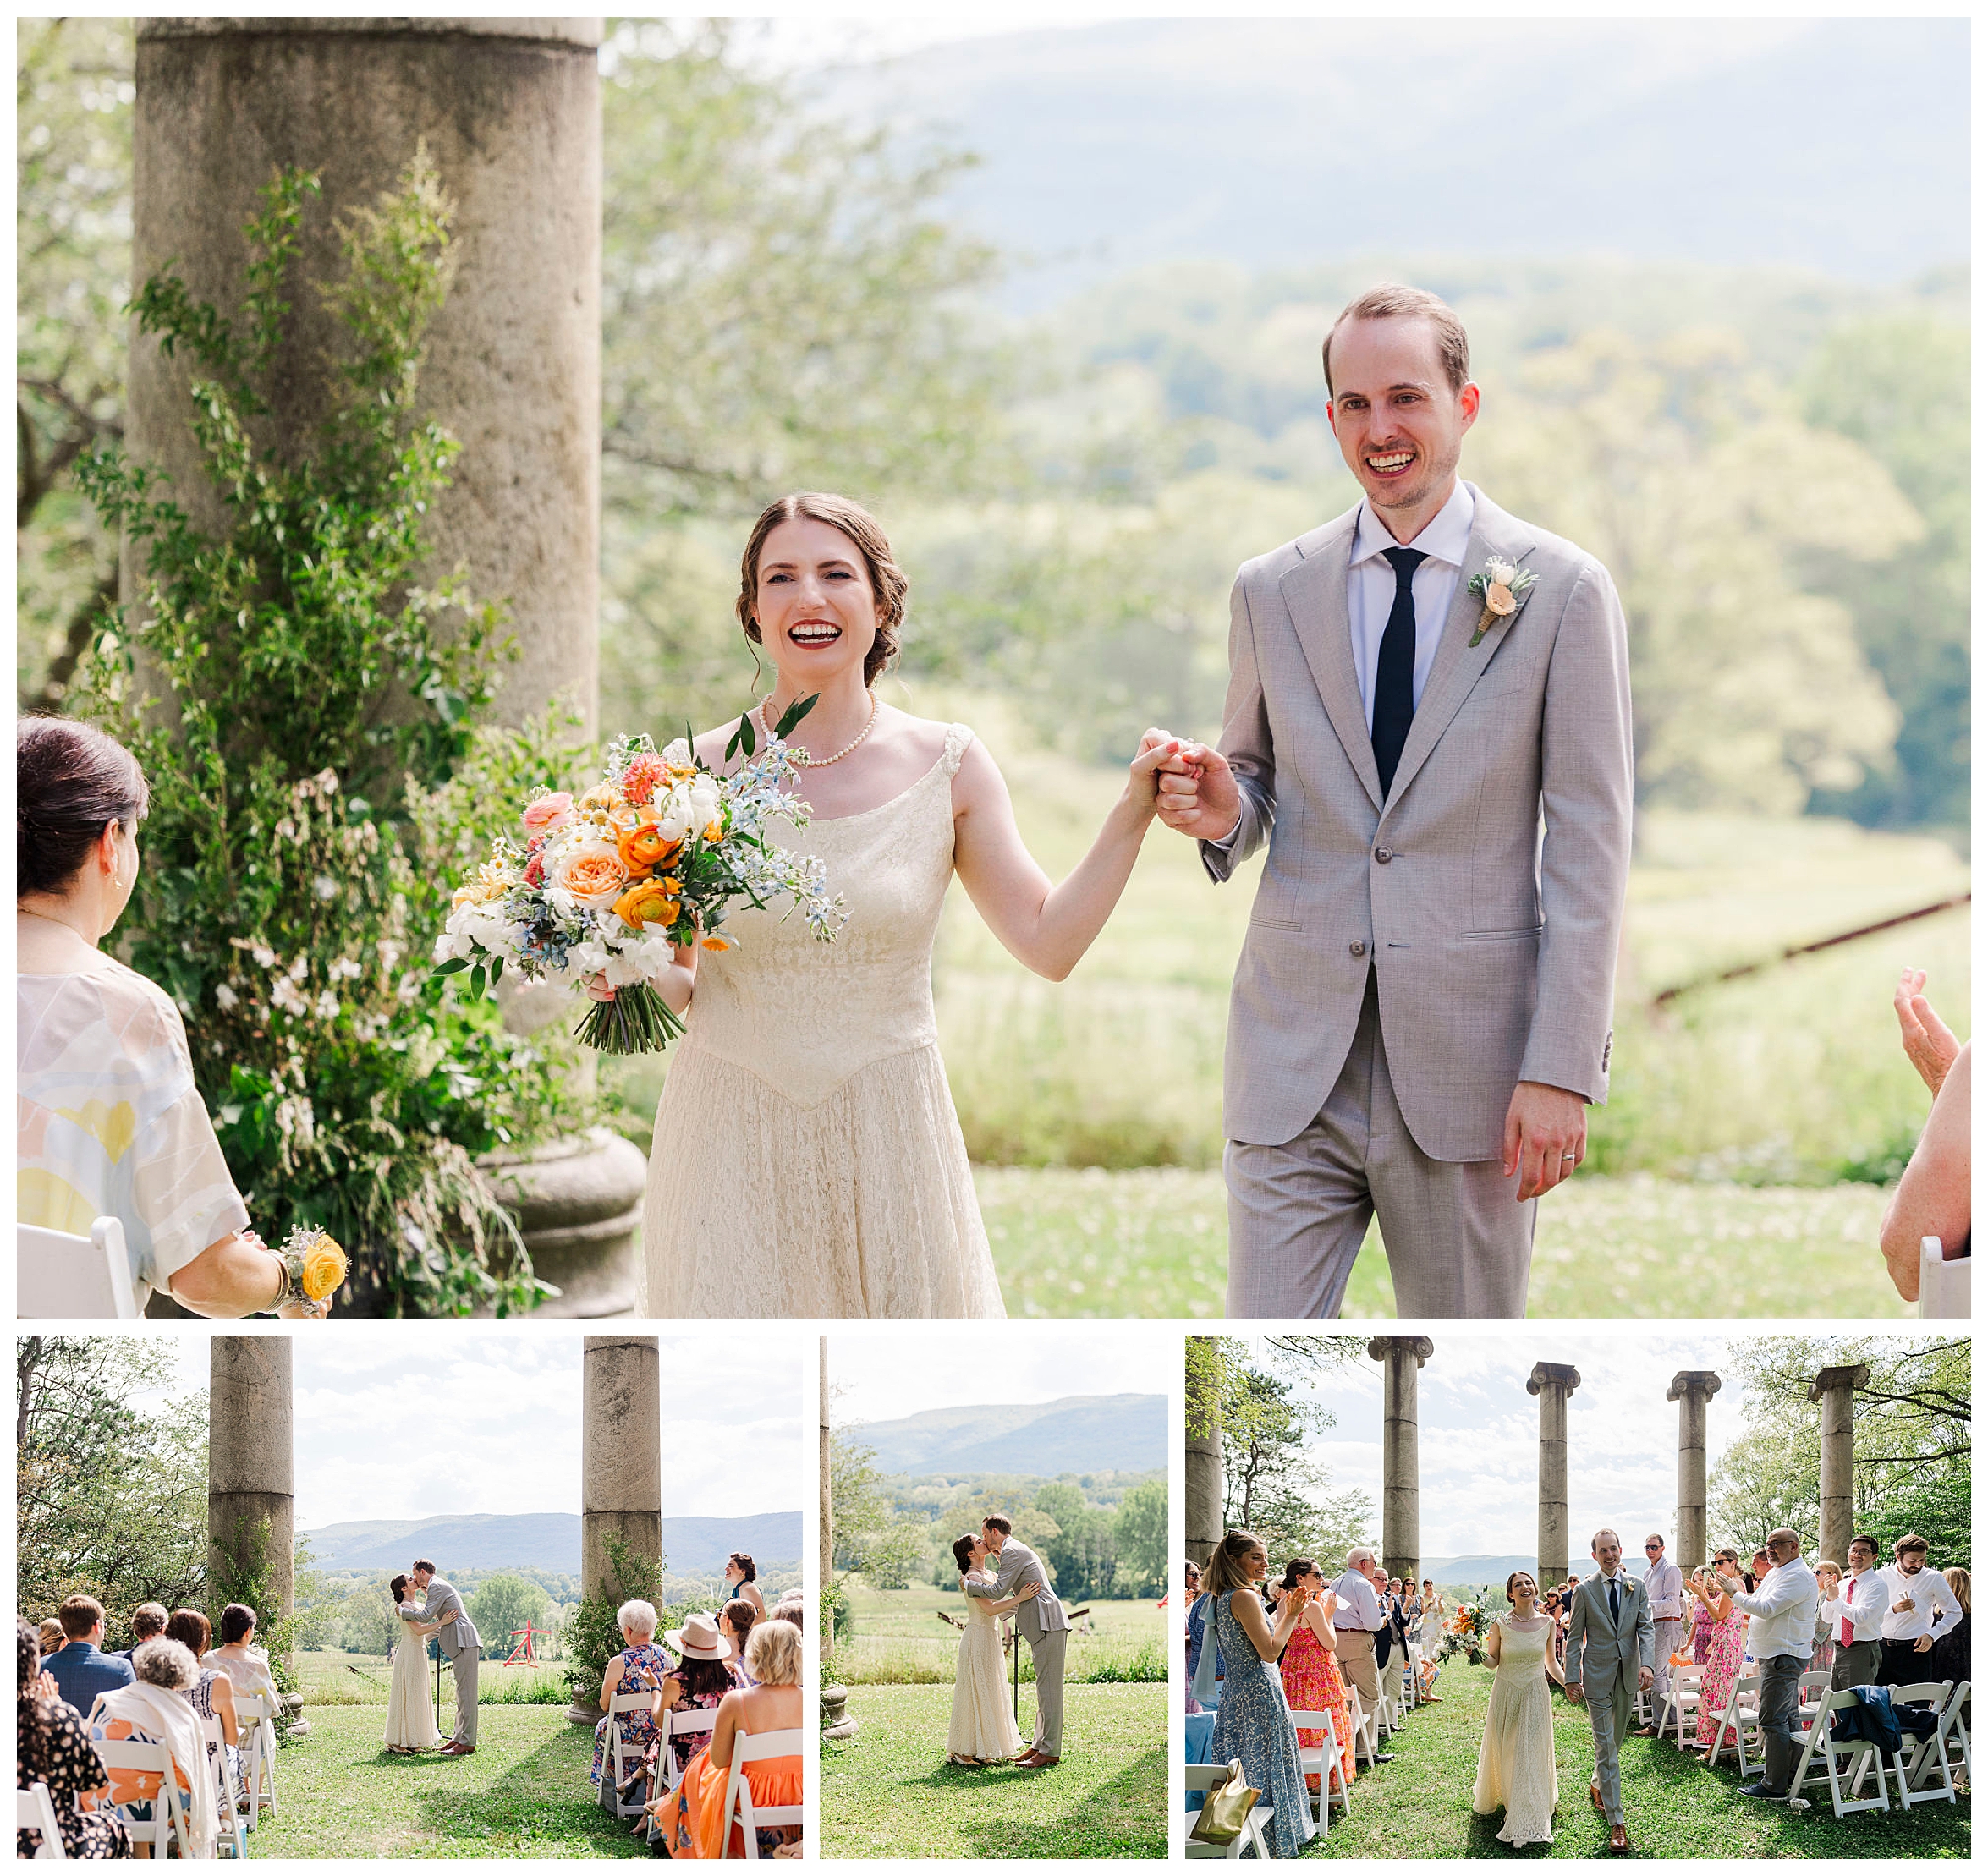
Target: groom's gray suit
(459,1641)
(1047,1629)
(1413,955)
(1604,1653)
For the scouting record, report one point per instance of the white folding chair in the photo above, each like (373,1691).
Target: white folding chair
(1815,1686)
(166,1825)
(1743,1712)
(621,1758)
(234,1839)
(747,1749)
(57,1274)
(1841,1764)
(256,1720)
(1929,1772)
(1945,1289)
(1918,1761)
(34,1810)
(1206,1778)
(1366,1731)
(1324,1759)
(675,1726)
(1681,1704)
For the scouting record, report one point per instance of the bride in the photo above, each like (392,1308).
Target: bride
(983,1730)
(1515,1765)
(807,1159)
(410,1719)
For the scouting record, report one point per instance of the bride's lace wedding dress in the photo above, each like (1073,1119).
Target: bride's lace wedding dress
(1515,1764)
(807,1160)
(983,1724)
(411,1713)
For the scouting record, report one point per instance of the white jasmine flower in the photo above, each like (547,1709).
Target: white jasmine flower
(263,956)
(225,997)
(328,1007)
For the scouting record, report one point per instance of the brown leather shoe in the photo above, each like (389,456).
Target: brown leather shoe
(1043,1763)
(1618,1840)
(1594,1795)
(456,1749)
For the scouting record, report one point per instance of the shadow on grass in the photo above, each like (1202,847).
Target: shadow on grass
(1140,1788)
(518,1805)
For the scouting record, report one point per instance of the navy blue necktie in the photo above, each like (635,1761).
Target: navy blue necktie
(1615,1607)
(1394,677)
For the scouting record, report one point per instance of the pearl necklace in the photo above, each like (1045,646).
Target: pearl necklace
(802,756)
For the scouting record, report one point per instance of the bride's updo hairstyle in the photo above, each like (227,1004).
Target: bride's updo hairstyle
(398,1590)
(1228,1564)
(962,1552)
(71,780)
(1514,1578)
(887,584)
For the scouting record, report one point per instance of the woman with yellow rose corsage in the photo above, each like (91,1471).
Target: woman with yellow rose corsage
(806,1135)
(111,1124)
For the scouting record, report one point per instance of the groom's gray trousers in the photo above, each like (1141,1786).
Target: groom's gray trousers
(1609,1708)
(1459,1244)
(1047,1649)
(464,1665)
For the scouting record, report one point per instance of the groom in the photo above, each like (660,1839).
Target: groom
(1418,692)
(1042,1622)
(1610,1643)
(459,1641)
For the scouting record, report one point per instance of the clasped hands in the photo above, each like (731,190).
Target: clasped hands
(1545,1128)
(1645,1680)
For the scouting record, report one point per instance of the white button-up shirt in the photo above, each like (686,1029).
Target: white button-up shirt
(1783,1611)
(1929,1595)
(1370,588)
(1358,1606)
(1664,1584)
(1862,1602)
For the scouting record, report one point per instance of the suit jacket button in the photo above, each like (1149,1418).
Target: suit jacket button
(1383,854)
(1358,947)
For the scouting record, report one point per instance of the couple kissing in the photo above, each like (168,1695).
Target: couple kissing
(998,1573)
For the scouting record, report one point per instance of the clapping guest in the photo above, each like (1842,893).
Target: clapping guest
(735,1621)
(641,1668)
(1356,1624)
(212,1694)
(741,1580)
(1782,1634)
(151,1712)
(1932,1199)
(1857,1616)
(1726,1649)
(1918,1604)
(1310,1674)
(51,1748)
(1829,1585)
(82,1670)
(111,1123)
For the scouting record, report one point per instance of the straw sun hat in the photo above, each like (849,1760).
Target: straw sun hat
(699,1640)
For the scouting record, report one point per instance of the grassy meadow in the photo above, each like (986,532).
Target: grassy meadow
(900,1640)
(1760,1117)
(331,1678)
(889,1792)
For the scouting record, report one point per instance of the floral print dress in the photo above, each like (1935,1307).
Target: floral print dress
(644,1670)
(68,1764)
(1313,1684)
(1725,1655)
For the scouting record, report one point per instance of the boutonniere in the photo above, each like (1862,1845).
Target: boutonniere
(1499,588)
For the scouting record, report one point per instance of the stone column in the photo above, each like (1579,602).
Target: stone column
(1691,1389)
(250,1482)
(1833,1389)
(621,1455)
(509,111)
(1201,1513)
(1553,1383)
(1401,1517)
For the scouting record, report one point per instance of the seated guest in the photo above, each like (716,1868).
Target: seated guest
(151,1712)
(788,1609)
(735,1621)
(641,1668)
(238,1658)
(51,1636)
(1932,1196)
(701,1680)
(147,1620)
(111,1124)
(82,1670)
(212,1695)
(692,1821)
(51,1748)
(741,1579)
(1919,1607)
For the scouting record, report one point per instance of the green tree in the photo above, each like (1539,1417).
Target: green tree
(368,1624)
(860,1507)
(1141,1536)
(503,1603)
(893,1555)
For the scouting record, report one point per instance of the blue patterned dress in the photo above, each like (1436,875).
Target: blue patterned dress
(644,1670)
(1252,1724)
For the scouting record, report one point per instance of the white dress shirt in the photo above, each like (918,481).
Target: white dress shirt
(1665,1586)
(1358,1606)
(1929,1595)
(1862,1602)
(1783,1611)
(1370,588)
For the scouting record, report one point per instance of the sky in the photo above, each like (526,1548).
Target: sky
(403,1420)
(879,1375)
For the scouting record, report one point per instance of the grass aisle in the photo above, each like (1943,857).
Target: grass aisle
(889,1792)
(523,1793)
(1071,1242)
(1420,1805)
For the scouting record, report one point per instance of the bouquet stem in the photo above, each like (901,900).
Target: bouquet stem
(636,1022)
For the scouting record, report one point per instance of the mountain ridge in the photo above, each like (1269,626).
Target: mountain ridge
(1076,1433)
(546,1540)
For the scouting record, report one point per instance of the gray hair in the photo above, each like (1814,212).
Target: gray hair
(640,1616)
(1357,1556)
(165,1663)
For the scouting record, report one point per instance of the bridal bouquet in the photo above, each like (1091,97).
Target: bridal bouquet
(604,888)
(1464,1634)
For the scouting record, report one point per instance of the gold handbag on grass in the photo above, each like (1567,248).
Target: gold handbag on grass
(1226,1809)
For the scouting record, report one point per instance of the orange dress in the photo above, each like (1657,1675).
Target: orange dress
(1313,1684)
(691,1820)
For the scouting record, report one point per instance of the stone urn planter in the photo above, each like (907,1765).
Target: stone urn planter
(578,1200)
(837,1721)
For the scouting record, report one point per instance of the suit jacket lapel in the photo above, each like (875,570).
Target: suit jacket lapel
(1459,665)
(1314,593)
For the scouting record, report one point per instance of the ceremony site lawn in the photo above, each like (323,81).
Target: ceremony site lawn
(900,1640)
(1419,1805)
(889,1792)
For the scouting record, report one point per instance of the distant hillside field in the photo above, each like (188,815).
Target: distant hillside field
(545,1540)
(1078,1434)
